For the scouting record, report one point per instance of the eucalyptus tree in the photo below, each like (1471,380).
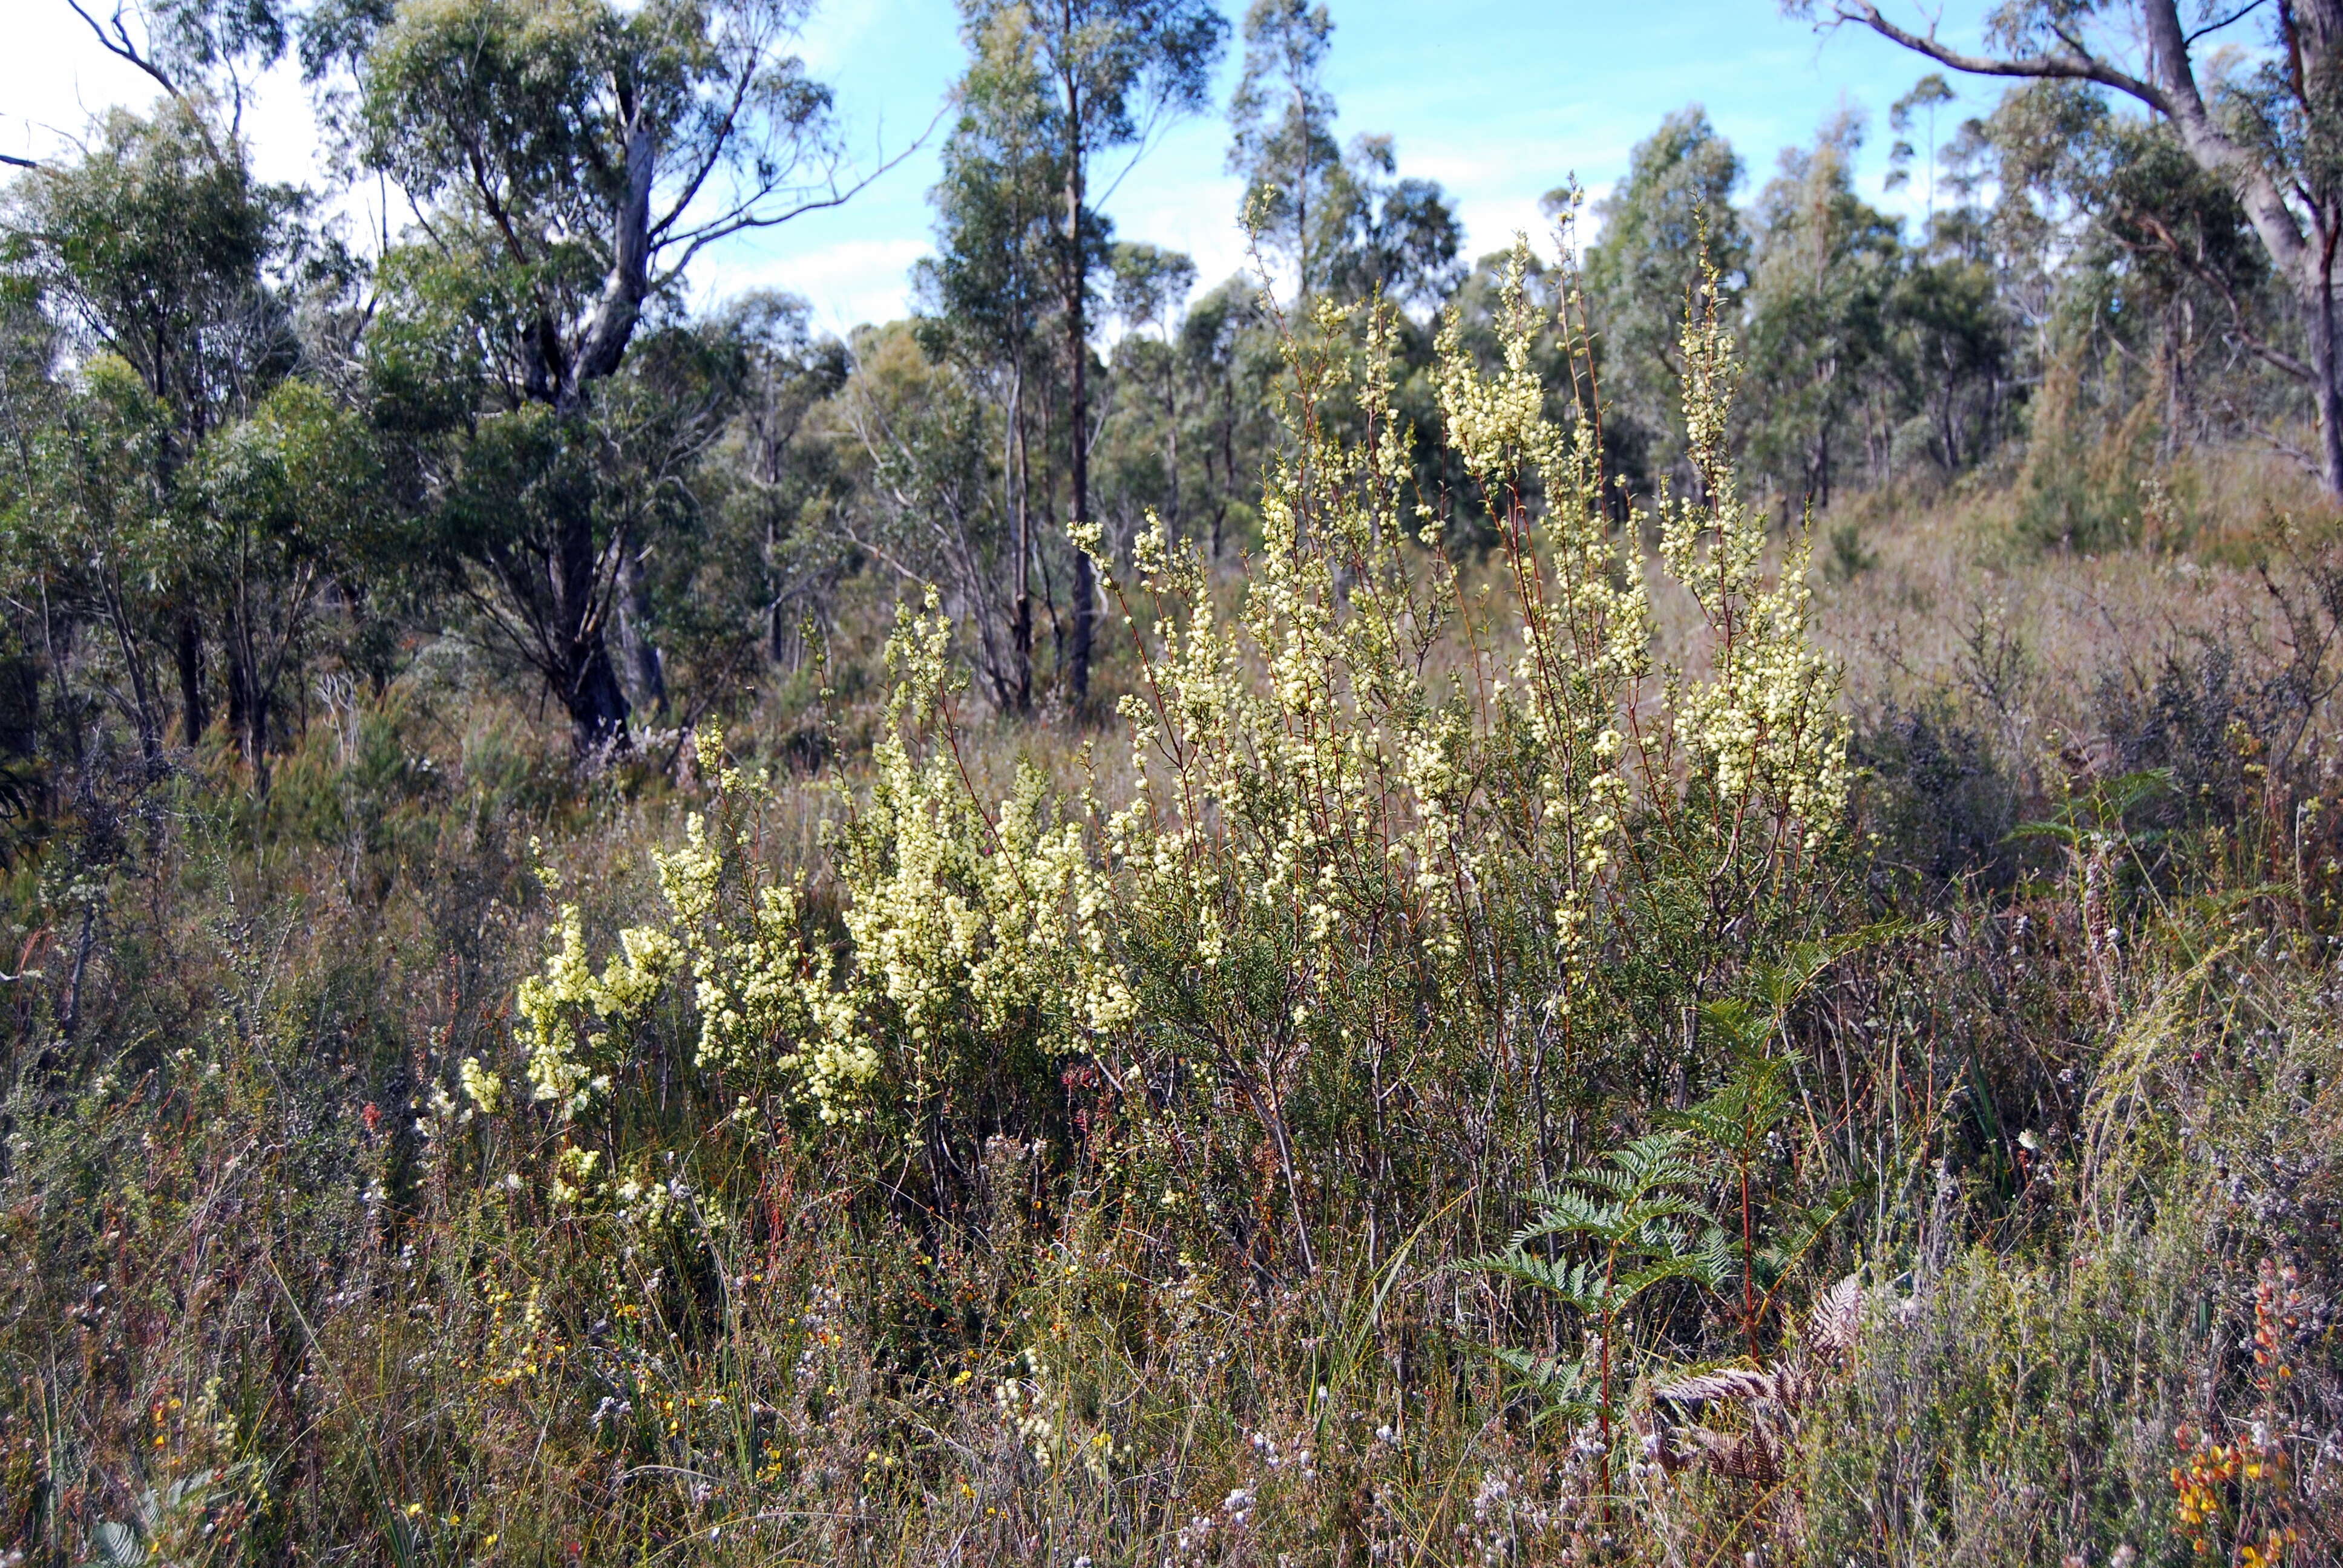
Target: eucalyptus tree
(1672,214)
(568,160)
(1283,119)
(927,506)
(779,476)
(89,548)
(288,502)
(990,290)
(2152,256)
(2271,132)
(1401,238)
(1226,354)
(1146,458)
(156,247)
(1118,71)
(1918,108)
(1947,333)
(1150,291)
(1825,264)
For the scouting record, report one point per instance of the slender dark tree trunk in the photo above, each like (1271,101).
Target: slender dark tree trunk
(194,717)
(257,719)
(1085,593)
(1171,436)
(776,640)
(143,698)
(69,1022)
(248,689)
(1021,508)
(1227,457)
(597,703)
(590,687)
(1077,287)
(1949,424)
(1301,208)
(238,718)
(2320,308)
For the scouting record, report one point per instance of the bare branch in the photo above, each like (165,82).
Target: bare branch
(2284,449)
(2240,14)
(2075,65)
(2169,245)
(120,45)
(718,142)
(744,216)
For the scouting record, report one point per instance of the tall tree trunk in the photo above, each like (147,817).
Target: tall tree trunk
(1172,435)
(194,717)
(583,676)
(239,692)
(597,703)
(1021,510)
(1227,457)
(2313,31)
(257,721)
(1302,207)
(1077,287)
(2319,309)
(247,709)
(587,682)
(775,630)
(1948,424)
(248,690)
(589,687)
(134,664)
(644,661)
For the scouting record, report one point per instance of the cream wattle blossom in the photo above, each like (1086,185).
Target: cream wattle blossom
(964,934)
(1764,726)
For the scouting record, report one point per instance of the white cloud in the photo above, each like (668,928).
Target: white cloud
(848,283)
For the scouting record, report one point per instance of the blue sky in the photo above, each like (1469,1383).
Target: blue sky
(1498,101)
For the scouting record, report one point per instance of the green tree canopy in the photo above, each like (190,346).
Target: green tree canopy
(1675,208)
(1825,264)
(571,158)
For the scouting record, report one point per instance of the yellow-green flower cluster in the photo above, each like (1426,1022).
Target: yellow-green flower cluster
(966,928)
(1583,620)
(563,1012)
(1763,725)
(1283,742)
(483,1088)
(963,931)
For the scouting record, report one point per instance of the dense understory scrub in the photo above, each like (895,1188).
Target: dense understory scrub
(2152,1378)
(1446,1087)
(1413,892)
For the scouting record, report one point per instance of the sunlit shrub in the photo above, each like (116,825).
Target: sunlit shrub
(1397,860)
